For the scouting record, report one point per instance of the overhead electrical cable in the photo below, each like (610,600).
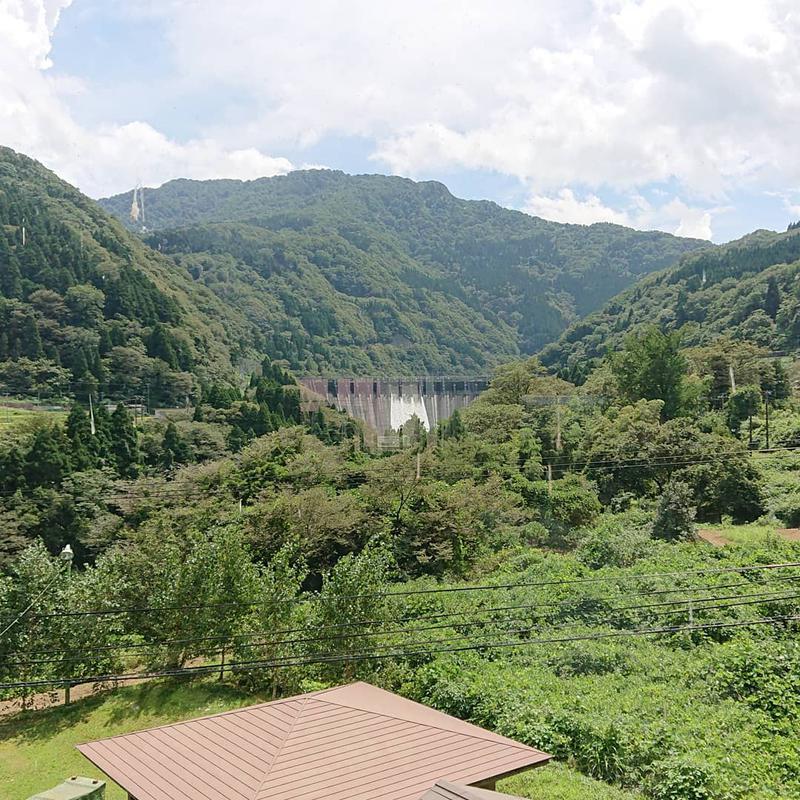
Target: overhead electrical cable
(432,591)
(383,655)
(692,605)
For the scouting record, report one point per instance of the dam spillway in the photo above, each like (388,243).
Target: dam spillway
(386,404)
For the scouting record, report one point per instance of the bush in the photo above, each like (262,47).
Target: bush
(614,546)
(675,512)
(568,503)
(765,675)
(585,659)
(678,778)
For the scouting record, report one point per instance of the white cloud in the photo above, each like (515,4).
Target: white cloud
(616,93)
(692,222)
(35,119)
(566,207)
(702,96)
(674,216)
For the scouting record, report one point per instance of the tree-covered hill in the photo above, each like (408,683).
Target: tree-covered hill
(375,274)
(747,290)
(86,307)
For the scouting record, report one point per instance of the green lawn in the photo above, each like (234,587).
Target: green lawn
(37,749)
(754,533)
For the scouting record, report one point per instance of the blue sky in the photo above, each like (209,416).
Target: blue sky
(681,116)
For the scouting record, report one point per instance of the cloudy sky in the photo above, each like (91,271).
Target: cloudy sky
(682,115)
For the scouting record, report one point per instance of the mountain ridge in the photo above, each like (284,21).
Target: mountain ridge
(747,289)
(377,274)
(83,303)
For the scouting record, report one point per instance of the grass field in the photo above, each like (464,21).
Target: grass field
(37,749)
(12,417)
(753,534)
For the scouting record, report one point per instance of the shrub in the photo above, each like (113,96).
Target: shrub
(675,512)
(584,659)
(765,675)
(678,778)
(614,546)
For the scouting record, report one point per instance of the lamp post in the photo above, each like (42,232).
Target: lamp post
(66,556)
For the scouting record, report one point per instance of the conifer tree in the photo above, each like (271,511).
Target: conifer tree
(173,448)
(10,276)
(12,471)
(159,345)
(47,461)
(30,339)
(772,300)
(82,455)
(101,440)
(124,443)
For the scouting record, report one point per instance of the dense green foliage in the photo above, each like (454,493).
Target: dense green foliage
(85,307)
(746,290)
(375,275)
(532,460)
(648,713)
(67,483)
(255,526)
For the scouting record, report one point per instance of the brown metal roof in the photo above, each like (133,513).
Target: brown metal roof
(445,790)
(355,742)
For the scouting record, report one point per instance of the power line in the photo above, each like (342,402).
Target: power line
(435,590)
(398,621)
(376,655)
(694,603)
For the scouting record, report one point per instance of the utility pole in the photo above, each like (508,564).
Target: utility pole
(558,425)
(419,464)
(766,415)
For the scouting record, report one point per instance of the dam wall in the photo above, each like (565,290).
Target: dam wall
(386,404)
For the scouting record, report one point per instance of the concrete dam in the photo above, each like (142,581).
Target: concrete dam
(386,404)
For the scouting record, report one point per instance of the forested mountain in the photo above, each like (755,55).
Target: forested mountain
(373,274)
(747,290)
(87,307)
(539,545)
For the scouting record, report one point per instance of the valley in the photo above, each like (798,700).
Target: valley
(376,275)
(322,428)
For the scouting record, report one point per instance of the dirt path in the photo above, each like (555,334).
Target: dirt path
(716,539)
(55,697)
(36,702)
(713,537)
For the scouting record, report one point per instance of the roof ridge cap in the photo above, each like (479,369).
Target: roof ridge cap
(492,734)
(266,775)
(255,707)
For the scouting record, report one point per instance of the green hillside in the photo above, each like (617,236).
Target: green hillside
(747,290)
(87,307)
(373,274)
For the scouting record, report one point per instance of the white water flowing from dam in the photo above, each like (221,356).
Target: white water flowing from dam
(387,404)
(402,409)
